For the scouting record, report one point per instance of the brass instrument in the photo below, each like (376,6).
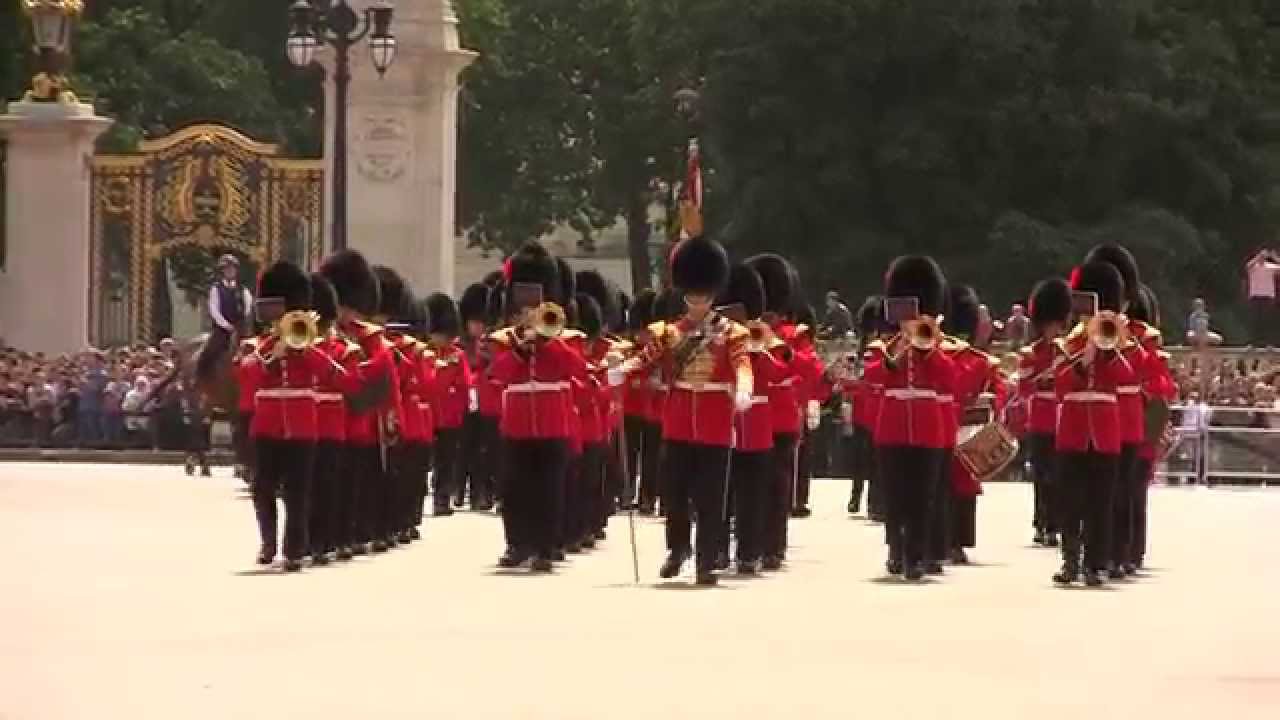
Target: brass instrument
(298,329)
(760,335)
(1108,330)
(923,333)
(548,320)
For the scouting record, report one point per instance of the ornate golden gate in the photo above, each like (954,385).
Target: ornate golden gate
(161,218)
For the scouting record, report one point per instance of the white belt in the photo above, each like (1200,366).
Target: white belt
(1129,390)
(660,387)
(538,387)
(704,387)
(638,384)
(286,393)
(1045,396)
(759,399)
(946,398)
(1090,397)
(328,397)
(788,382)
(453,390)
(424,406)
(911,394)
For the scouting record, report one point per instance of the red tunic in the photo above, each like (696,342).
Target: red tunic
(910,414)
(331,406)
(285,403)
(1036,380)
(427,392)
(1089,419)
(978,383)
(753,429)
(378,366)
(452,386)
(406,352)
(874,375)
(534,387)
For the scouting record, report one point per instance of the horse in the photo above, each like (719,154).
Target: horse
(214,380)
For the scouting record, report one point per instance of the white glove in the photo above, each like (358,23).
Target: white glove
(742,401)
(813,414)
(473,400)
(616,376)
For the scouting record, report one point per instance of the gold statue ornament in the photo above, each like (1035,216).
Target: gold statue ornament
(51,24)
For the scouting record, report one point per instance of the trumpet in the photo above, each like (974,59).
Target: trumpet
(1108,330)
(549,320)
(923,333)
(298,329)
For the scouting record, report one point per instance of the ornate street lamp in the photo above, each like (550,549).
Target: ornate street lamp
(335,23)
(51,24)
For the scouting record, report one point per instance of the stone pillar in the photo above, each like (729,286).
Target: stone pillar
(44,286)
(402,145)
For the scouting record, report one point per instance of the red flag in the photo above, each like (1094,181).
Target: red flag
(691,194)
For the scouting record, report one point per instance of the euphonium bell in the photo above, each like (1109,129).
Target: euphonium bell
(549,320)
(923,333)
(298,329)
(1107,330)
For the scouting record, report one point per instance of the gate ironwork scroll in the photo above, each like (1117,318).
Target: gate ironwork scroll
(161,217)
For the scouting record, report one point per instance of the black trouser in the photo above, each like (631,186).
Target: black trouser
(1138,541)
(326,486)
(1084,489)
(940,509)
(780,493)
(751,474)
(287,465)
(1044,470)
(857,449)
(572,503)
(479,457)
(877,488)
(963,521)
(695,474)
(241,443)
(909,473)
(533,475)
(651,475)
(612,480)
(448,467)
(804,469)
(346,507)
(370,488)
(409,478)
(597,505)
(633,428)
(1123,501)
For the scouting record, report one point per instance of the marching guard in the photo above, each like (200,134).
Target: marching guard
(1038,363)
(451,402)
(480,428)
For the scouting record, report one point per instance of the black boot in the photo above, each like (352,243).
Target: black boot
(319,558)
(541,564)
(671,567)
(344,553)
(1051,539)
(707,577)
(513,558)
(292,565)
(771,563)
(1093,578)
(914,571)
(1039,538)
(748,567)
(959,557)
(266,555)
(722,560)
(1067,575)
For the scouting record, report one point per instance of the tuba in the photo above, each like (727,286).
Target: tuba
(298,329)
(549,320)
(1108,330)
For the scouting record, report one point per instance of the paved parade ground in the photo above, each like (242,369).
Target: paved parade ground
(129,592)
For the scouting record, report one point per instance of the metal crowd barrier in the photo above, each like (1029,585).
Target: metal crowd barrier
(1224,445)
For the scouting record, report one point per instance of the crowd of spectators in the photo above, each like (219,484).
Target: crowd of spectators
(116,398)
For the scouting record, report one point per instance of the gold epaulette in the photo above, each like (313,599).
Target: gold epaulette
(801,329)
(876,344)
(503,336)
(617,344)
(950,343)
(572,334)
(367,328)
(738,331)
(1027,351)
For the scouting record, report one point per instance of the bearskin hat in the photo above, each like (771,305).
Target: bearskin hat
(605,293)
(568,282)
(961,318)
(1119,257)
(289,283)
(779,279)
(807,316)
(493,309)
(870,317)
(641,312)
(1050,302)
(532,264)
(624,310)
(745,287)
(699,265)
(353,280)
(590,319)
(1103,279)
(1147,309)
(442,315)
(394,297)
(324,300)
(917,276)
(474,303)
(668,306)
(493,279)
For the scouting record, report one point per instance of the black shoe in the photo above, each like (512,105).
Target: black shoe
(190,468)
(748,567)
(600,534)
(647,509)
(442,511)
(558,555)
(1051,540)
(266,555)
(1116,573)
(513,558)
(1039,538)
(1093,579)
(801,512)
(344,553)
(771,563)
(707,578)
(959,557)
(933,567)
(414,534)
(588,542)
(671,567)
(360,548)
(854,507)
(722,561)
(573,548)
(292,565)
(1130,569)
(206,472)
(893,567)
(876,517)
(459,503)
(485,506)
(405,537)
(379,546)
(915,572)
(319,559)
(541,564)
